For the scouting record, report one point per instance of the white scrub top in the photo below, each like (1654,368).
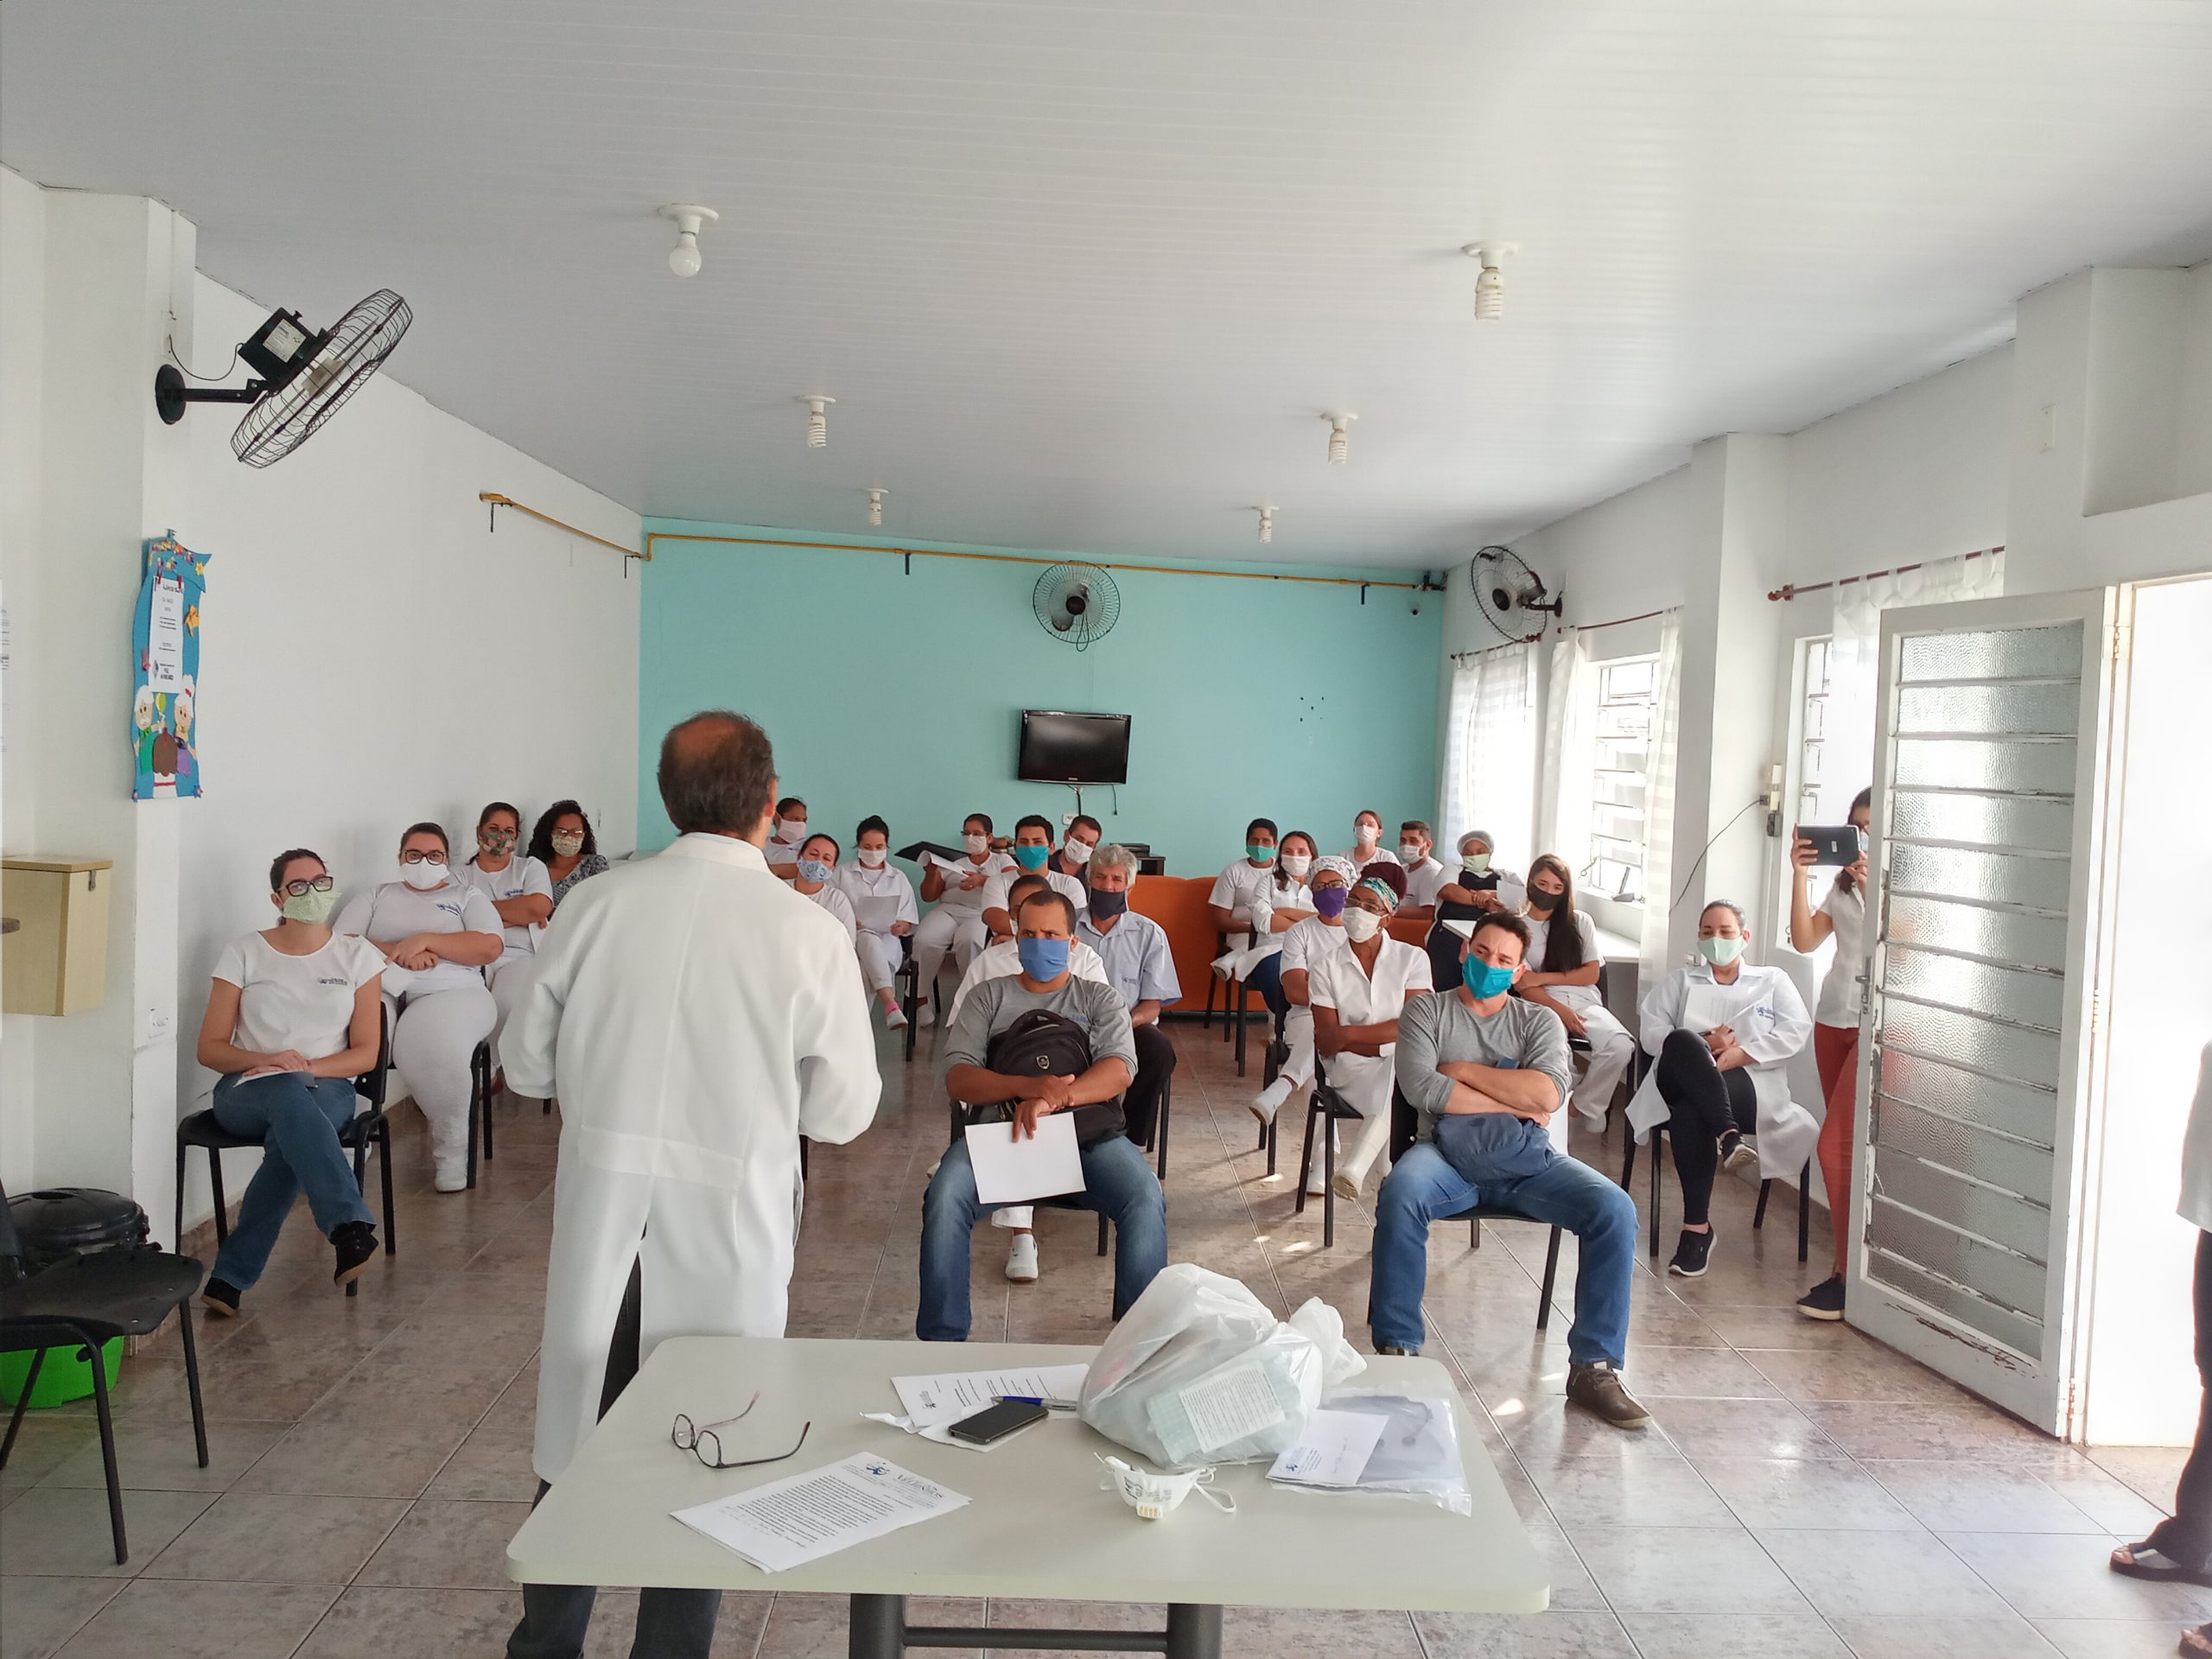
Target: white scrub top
(1307,943)
(1768,1016)
(831,898)
(396,910)
(1383,855)
(995,890)
(1235,887)
(1338,982)
(1577,997)
(302,1003)
(867,889)
(1423,880)
(524,874)
(1842,996)
(969,901)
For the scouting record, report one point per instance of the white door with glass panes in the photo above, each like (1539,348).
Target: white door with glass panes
(1977,1064)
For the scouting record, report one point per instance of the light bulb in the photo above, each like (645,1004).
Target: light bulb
(817,423)
(1490,295)
(1340,436)
(688,218)
(875,509)
(684,257)
(1266,524)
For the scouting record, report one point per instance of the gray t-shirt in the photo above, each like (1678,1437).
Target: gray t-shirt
(1442,1028)
(994,1004)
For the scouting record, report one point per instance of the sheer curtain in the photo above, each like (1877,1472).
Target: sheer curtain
(1565,826)
(1490,757)
(1659,797)
(1848,744)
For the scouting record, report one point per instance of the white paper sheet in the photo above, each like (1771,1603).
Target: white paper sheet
(1008,1171)
(1228,1404)
(803,1517)
(934,1401)
(875,914)
(1332,1449)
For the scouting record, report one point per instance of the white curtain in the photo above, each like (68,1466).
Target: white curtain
(1659,797)
(1490,757)
(1565,827)
(1847,736)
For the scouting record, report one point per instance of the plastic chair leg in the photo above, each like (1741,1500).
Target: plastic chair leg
(183,1152)
(192,1379)
(1758,1213)
(222,1204)
(22,1404)
(1239,992)
(1551,1279)
(1804,1219)
(1102,1235)
(107,1451)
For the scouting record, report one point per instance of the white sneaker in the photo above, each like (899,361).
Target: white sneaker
(923,1014)
(1347,1185)
(1265,1104)
(895,1018)
(1022,1258)
(452,1176)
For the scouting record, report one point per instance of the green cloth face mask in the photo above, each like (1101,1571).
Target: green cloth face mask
(1259,852)
(311,907)
(1720,952)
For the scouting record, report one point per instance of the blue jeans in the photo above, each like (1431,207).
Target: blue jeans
(1422,1187)
(298,1118)
(1117,1183)
(1267,981)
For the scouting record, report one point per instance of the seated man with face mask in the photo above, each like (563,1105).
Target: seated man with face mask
(1485,1070)
(1032,855)
(1117,1181)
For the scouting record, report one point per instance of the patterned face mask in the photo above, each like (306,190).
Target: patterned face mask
(495,842)
(568,846)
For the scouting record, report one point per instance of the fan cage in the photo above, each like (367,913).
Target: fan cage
(354,350)
(1103,610)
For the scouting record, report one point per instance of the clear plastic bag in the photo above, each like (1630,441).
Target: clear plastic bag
(1419,1454)
(1199,1370)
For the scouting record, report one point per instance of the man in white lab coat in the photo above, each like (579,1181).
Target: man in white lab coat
(694,1016)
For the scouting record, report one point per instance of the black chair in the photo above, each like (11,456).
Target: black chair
(909,977)
(479,1104)
(1758,1215)
(201,1130)
(1159,1138)
(1277,1056)
(1323,1105)
(84,1303)
(960,1109)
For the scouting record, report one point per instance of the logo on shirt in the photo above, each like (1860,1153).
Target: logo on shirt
(451,909)
(338,980)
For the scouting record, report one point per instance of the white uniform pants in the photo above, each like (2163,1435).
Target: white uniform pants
(510,978)
(1364,1081)
(945,929)
(435,1033)
(1610,1050)
(880,955)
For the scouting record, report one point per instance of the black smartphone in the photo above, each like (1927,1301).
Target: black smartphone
(996,1422)
(1833,844)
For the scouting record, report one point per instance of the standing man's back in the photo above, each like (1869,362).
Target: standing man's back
(695,1017)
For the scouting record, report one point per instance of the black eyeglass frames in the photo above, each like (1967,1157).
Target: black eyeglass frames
(301,889)
(703,1441)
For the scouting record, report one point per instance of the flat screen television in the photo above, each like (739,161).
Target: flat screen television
(1065,748)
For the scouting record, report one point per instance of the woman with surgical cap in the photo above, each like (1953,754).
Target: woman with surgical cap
(1358,995)
(1476,889)
(1305,944)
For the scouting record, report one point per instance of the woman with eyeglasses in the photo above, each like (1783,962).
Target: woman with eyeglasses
(437,935)
(1563,965)
(562,841)
(1723,1031)
(293,1018)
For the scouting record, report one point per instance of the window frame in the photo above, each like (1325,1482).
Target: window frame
(1597,891)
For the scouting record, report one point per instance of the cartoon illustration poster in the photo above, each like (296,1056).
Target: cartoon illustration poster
(165,644)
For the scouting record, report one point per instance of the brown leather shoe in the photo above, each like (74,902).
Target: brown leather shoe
(1597,1388)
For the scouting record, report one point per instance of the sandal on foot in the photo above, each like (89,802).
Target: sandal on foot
(2196,1644)
(2144,1560)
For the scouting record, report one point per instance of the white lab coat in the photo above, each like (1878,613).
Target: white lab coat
(1769,1018)
(695,1016)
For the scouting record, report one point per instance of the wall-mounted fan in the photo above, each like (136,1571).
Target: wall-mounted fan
(303,378)
(1077,602)
(1506,590)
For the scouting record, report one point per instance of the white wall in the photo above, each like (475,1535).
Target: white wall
(373,654)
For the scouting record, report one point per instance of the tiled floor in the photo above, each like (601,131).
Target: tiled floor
(1805,1492)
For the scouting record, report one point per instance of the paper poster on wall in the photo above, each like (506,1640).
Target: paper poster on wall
(165,646)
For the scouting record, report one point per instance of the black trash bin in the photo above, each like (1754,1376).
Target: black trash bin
(51,1226)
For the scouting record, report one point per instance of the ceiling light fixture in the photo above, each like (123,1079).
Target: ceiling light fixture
(1340,436)
(1490,287)
(875,509)
(818,424)
(684,257)
(1266,524)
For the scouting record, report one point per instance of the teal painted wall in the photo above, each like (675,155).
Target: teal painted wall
(898,693)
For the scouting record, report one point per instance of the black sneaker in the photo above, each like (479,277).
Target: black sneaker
(1824,1300)
(1396,1350)
(1736,1151)
(355,1242)
(1693,1254)
(220,1296)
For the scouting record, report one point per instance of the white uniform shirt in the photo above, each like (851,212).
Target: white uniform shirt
(997,961)
(395,910)
(1294,895)
(1763,1008)
(1380,855)
(302,1003)
(1338,982)
(1423,880)
(831,898)
(867,889)
(524,874)
(1307,943)
(779,851)
(1577,997)
(1841,995)
(969,901)
(995,890)
(1235,888)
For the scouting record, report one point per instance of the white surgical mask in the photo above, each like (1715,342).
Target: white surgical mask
(794,831)
(424,876)
(1077,853)
(977,844)
(1720,952)
(1365,835)
(872,856)
(1361,925)
(1154,1495)
(1409,852)
(1294,865)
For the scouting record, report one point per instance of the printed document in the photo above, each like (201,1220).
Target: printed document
(1008,1171)
(1332,1449)
(801,1518)
(934,1401)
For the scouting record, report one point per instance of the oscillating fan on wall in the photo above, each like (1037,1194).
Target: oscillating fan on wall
(1505,589)
(304,378)
(1077,602)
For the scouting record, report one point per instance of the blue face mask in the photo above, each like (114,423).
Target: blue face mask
(1107,906)
(1032,857)
(813,870)
(1483,981)
(1042,959)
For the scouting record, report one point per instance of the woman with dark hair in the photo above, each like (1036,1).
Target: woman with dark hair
(1270,907)
(1841,917)
(292,1019)
(438,935)
(955,887)
(884,909)
(1478,888)
(1723,1031)
(817,880)
(1563,975)
(521,891)
(563,843)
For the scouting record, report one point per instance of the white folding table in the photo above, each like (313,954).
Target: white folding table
(1039,1524)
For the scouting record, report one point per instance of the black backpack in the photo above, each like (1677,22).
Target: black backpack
(1046,1045)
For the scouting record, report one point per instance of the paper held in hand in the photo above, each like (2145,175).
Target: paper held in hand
(801,1518)
(1008,1171)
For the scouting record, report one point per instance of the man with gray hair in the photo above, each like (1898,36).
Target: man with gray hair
(1139,965)
(695,1017)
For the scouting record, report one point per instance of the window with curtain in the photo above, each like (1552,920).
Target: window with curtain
(1626,690)
(1812,724)
(1490,757)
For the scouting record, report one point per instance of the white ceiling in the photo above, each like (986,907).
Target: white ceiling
(1084,276)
